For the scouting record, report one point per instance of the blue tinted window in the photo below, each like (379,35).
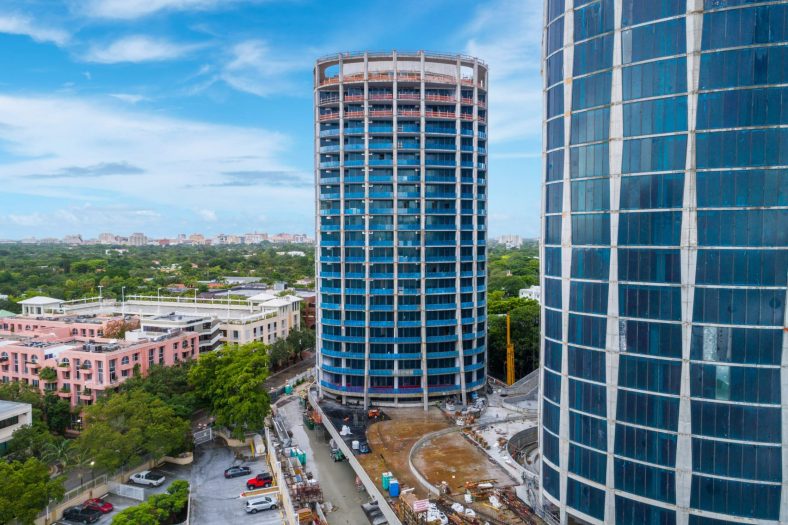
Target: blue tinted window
(735,383)
(552,264)
(664,77)
(555,133)
(756,148)
(744,27)
(591,263)
(742,267)
(744,107)
(590,126)
(718,189)
(752,500)
(744,67)
(555,8)
(585,498)
(593,55)
(653,41)
(650,228)
(551,416)
(646,481)
(553,230)
(648,410)
(551,481)
(737,460)
(591,229)
(552,293)
(555,165)
(594,19)
(643,373)
(586,330)
(631,512)
(639,11)
(759,307)
(659,266)
(743,227)
(587,463)
(645,192)
(554,197)
(650,117)
(552,386)
(550,446)
(752,346)
(655,154)
(552,356)
(650,302)
(555,68)
(747,423)
(646,445)
(588,430)
(660,339)
(589,161)
(587,397)
(703,520)
(555,101)
(553,324)
(590,91)
(587,364)
(588,297)
(555,36)
(591,195)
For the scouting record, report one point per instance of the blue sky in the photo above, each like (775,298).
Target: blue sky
(181,116)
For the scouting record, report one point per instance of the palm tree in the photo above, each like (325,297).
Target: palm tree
(59,454)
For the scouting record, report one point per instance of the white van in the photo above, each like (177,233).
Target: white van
(255,505)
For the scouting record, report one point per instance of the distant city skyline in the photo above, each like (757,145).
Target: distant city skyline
(197,116)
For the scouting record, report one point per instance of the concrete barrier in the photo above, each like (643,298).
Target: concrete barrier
(187,458)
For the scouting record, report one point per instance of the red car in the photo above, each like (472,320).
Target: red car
(260,481)
(98,504)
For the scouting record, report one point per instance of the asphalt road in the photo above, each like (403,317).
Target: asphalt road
(217,500)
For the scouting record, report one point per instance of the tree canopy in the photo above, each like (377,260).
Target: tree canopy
(230,382)
(25,490)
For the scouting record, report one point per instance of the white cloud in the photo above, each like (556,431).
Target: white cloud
(22,25)
(180,166)
(137,48)
(207,215)
(507,35)
(131,9)
(253,68)
(129,97)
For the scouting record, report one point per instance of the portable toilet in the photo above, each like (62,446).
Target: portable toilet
(393,488)
(288,389)
(302,457)
(385,479)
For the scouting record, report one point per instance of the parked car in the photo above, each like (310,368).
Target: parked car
(81,515)
(253,506)
(146,477)
(98,504)
(260,481)
(236,471)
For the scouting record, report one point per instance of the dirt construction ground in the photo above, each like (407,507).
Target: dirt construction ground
(453,459)
(392,440)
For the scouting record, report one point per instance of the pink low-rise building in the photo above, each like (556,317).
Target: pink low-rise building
(84,368)
(58,326)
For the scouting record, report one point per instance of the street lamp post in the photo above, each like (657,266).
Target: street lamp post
(158,300)
(123,301)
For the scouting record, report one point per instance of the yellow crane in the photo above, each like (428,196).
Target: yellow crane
(509,354)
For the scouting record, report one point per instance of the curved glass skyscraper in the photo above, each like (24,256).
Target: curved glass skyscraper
(665,350)
(401,173)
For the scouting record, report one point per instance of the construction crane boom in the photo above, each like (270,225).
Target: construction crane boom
(509,353)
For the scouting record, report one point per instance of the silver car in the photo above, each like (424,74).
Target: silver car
(255,505)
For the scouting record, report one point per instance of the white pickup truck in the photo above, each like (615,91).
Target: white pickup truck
(146,477)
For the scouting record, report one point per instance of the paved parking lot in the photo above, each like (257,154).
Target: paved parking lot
(218,500)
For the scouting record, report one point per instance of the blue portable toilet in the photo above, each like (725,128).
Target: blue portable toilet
(393,488)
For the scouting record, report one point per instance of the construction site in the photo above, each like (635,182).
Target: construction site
(449,464)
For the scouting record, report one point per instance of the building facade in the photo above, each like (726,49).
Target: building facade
(665,351)
(13,416)
(401,178)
